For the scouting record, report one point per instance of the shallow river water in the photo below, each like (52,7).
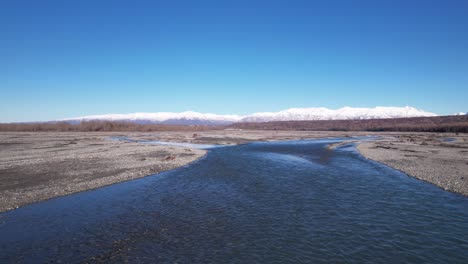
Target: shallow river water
(276,202)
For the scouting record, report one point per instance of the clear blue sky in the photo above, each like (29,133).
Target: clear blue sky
(63,59)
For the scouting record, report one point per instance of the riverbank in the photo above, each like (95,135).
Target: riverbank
(245,203)
(40,166)
(36,166)
(441,159)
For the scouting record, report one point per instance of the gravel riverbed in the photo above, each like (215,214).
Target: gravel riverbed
(436,158)
(39,165)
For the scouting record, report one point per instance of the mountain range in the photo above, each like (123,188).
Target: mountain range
(292,114)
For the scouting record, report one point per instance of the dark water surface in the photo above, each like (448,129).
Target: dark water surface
(282,202)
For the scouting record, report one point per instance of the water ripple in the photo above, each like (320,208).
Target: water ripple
(285,202)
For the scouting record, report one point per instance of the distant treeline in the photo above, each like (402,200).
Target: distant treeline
(99,126)
(456,124)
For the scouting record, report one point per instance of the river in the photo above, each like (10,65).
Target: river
(263,202)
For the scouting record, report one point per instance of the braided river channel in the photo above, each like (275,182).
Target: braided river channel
(262,202)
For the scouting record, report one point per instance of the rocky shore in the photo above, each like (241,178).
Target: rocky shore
(441,159)
(37,166)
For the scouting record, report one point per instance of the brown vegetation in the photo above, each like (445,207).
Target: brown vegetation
(99,126)
(456,124)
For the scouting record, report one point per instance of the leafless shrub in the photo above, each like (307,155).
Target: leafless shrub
(454,124)
(100,126)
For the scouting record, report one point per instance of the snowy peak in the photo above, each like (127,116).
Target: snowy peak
(188,117)
(317,113)
(344,113)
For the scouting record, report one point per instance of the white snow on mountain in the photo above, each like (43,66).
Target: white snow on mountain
(321,113)
(339,114)
(162,117)
(461,113)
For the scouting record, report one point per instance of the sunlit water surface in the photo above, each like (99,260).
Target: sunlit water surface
(281,202)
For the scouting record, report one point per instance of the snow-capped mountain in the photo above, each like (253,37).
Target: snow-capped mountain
(187,117)
(344,113)
(321,113)
(461,113)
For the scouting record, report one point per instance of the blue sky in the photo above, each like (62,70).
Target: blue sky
(70,58)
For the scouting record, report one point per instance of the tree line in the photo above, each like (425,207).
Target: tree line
(98,126)
(456,124)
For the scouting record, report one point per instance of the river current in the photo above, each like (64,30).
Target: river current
(275,202)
